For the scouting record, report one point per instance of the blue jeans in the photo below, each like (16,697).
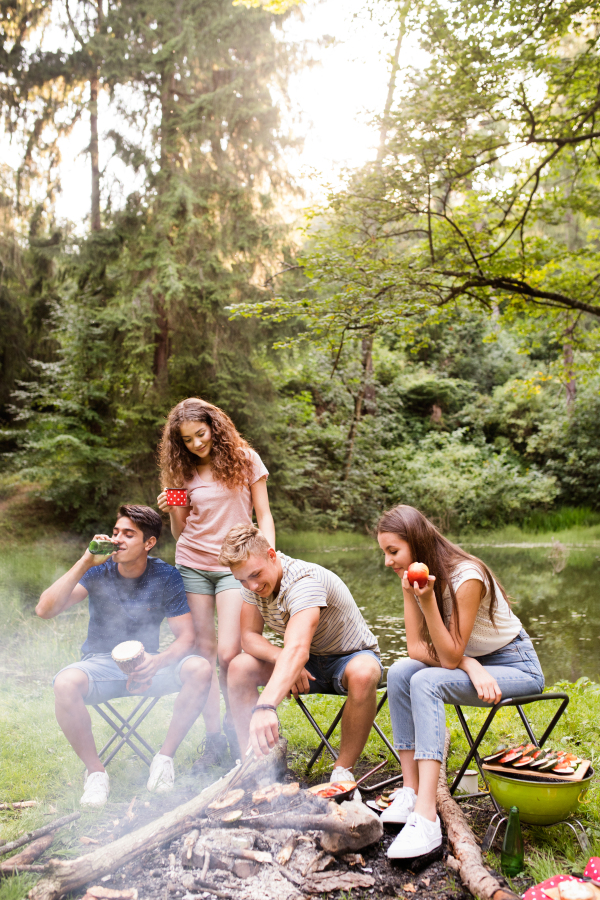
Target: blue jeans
(417,693)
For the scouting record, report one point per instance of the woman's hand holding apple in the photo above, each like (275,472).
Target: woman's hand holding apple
(418,582)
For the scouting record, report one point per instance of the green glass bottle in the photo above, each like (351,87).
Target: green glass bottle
(512,856)
(101,548)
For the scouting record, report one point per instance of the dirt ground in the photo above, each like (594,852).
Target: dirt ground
(157,875)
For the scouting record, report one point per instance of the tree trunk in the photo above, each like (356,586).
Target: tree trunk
(571,381)
(366,394)
(161,343)
(467,859)
(392,82)
(69,875)
(94,153)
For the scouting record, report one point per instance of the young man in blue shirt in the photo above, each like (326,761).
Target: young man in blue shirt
(130,594)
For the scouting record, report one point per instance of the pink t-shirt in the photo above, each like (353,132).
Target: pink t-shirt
(215,510)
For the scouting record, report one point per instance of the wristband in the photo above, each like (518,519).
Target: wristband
(261,706)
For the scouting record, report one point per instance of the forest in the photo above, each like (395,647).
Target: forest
(427,334)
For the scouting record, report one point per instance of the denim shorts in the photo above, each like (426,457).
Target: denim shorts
(200,581)
(329,671)
(107,682)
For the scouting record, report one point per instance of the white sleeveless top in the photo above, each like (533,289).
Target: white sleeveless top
(485,636)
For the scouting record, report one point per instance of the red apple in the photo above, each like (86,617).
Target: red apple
(417,572)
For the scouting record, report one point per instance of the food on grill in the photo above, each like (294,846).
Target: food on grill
(232,816)
(229,799)
(332,788)
(495,756)
(290,790)
(128,655)
(575,890)
(267,794)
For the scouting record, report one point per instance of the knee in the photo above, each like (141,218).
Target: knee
(70,685)
(239,670)
(226,657)
(363,680)
(424,683)
(196,670)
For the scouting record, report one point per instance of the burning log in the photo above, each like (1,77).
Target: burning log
(27,856)
(67,875)
(38,833)
(467,860)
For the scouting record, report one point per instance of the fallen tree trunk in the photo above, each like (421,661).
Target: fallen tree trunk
(68,875)
(27,856)
(467,860)
(39,832)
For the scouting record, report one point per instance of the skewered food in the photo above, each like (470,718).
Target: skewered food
(229,799)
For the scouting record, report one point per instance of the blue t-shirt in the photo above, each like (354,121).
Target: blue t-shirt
(131,609)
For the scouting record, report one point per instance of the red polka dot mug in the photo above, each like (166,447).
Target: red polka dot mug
(177,497)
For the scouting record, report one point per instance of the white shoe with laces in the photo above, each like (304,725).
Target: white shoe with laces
(162,774)
(341,774)
(400,808)
(96,789)
(418,837)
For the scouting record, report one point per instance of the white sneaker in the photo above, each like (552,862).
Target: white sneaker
(162,774)
(341,774)
(401,807)
(96,789)
(418,837)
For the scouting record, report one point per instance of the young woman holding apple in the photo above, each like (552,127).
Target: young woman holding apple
(202,453)
(465,646)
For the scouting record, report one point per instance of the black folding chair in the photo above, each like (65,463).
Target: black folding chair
(324,737)
(474,743)
(125,729)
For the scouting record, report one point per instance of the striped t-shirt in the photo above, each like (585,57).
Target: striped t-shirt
(341,627)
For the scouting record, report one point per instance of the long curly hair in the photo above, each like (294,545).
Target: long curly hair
(440,556)
(230,460)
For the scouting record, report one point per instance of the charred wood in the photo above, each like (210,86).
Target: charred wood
(38,833)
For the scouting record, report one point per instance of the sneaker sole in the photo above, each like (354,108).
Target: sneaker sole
(430,848)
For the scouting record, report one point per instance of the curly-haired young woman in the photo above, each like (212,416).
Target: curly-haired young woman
(465,645)
(201,451)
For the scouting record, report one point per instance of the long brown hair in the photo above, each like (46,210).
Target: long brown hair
(230,460)
(440,556)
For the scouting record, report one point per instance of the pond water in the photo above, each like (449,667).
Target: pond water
(555,589)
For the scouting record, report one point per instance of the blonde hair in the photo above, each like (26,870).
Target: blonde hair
(241,542)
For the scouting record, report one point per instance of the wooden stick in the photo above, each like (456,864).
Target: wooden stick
(39,832)
(28,855)
(19,804)
(15,870)
(467,860)
(65,876)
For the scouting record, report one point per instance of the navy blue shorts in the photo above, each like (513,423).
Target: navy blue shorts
(329,671)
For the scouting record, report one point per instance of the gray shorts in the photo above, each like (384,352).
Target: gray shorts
(200,581)
(107,682)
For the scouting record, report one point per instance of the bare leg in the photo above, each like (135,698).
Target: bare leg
(202,607)
(229,608)
(246,675)
(70,687)
(410,769)
(361,677)
(196,675)
(429,773)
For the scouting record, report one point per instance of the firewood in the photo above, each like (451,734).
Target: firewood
(286,851)
(195,885)
(467,855)
(99,892)
(189,842)
(68,875)
(39,832)
(337,881)
(20,804)
(27,856)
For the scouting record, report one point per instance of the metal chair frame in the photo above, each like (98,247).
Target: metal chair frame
(474,743)
(324,737)
(125,728)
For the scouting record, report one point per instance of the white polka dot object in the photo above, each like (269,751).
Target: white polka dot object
(176,497)
(538,892)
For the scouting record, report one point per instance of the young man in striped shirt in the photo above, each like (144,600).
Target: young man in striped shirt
(328,647)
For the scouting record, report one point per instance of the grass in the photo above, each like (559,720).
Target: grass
(36,761)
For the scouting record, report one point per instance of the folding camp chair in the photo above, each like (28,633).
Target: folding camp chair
(324,737)
(474,743)
(125,729)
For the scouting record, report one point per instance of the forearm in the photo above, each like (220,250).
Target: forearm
(448,651)
(267,526)
(259,647)
(420,652)
(53,599)
(289,665)
(178,518)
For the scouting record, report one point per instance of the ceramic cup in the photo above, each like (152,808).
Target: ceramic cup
(177,497)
